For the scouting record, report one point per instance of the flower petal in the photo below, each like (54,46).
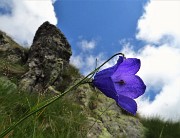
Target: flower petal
(109,71)
(105,85)
(128,67)
(133,86)
(127,104)
(102,80)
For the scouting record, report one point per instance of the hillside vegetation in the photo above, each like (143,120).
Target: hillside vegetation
(25,75)
(64,118)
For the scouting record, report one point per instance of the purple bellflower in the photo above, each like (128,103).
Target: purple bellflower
(120,83)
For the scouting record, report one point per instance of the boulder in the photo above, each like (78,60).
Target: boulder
(48,58)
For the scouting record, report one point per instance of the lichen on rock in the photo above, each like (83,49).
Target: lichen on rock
(105,118)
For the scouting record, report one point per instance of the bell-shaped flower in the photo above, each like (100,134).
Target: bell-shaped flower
(120,83)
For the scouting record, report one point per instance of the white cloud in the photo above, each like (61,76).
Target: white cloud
(53,1)
(166,104)
(161,63)
(86,62)
(25,17)
(4,4)
(87,45)
(159,69)
(160,72)
(77,60)
(161,18)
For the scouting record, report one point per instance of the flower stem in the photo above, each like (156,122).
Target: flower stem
(44,104)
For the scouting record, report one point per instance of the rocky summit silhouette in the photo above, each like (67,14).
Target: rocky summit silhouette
(48,57)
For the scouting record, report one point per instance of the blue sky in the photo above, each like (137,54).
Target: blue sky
(106,22)
(97,29)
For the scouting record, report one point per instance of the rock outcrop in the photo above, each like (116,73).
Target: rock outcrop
(12,57)
(10,50)
(48,57)
(105,118)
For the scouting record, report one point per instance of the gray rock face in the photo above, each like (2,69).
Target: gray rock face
(10,50)
(105,118)
(48,58)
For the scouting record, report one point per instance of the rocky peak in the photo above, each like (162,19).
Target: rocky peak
(48,57)
(49,40)
(10,50)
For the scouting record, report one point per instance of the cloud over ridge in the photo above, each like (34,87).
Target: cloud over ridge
(159,28)
(161,18)
(24,18)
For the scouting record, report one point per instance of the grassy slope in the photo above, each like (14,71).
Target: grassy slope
(157,128)
(11,71)
(63,118)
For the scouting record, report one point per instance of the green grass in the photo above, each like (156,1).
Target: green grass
(70,74)
(62,119)
(11,70)
(157,128)
(12,67)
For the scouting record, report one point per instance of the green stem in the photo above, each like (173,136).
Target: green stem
(53,99)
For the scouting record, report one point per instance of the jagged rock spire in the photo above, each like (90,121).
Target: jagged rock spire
(50,40)
(48,57)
